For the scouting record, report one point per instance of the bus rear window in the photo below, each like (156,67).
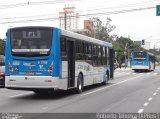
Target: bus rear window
(139,55)
(31,40)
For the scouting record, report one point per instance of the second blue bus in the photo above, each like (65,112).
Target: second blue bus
(142,61)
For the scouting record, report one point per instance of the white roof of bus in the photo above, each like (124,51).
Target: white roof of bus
(75,35)
(146,52)
(85,38)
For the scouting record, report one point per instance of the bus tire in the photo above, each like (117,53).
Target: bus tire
(79,84)
(105,82)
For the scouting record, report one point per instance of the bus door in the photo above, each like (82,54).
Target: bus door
(111,62)
(71,63)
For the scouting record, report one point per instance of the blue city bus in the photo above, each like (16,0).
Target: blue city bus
(142,61)
(42,59)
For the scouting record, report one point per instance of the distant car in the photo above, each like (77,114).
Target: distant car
(2,79)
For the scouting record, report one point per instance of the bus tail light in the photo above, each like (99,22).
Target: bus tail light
(10,69)
(50,70)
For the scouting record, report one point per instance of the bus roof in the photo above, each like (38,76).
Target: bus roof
(85,38)
(73,35)
(146,52)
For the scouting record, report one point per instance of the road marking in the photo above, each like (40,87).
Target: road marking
(150,99)
(154,93)
(128,73)
(145,104)
(109,86)
(155,73)
(140,110)
(140,73)
(157,90)
(13,96)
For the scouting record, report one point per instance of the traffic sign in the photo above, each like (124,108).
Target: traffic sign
(158,10)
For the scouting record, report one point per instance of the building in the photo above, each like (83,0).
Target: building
(68,19)
(88,29)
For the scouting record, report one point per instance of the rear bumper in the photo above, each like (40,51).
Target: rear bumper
(32,82)
(140,67)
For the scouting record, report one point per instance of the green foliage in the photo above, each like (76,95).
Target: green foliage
(154,51)
(121,45)
(2,46)
(119,51)
(102,29)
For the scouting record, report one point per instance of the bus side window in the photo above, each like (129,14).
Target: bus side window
(103,55)
(99,55)
(81,52)
(77,50)
(106,56)
(90,51)
(63,49)
(85,50)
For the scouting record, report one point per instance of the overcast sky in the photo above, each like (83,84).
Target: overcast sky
(137,25)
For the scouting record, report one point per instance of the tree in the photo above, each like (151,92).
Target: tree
(102,30)
(2,47)
(119,51)
(121,45)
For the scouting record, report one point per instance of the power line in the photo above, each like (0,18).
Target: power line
(33,3)
(58,1)
(22,17)
(83,15)
(92,10)
(122,11)
(138,3)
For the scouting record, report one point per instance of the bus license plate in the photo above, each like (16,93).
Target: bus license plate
(30,73)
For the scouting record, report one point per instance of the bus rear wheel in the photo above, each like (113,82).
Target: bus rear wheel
(79,84)
(105,82)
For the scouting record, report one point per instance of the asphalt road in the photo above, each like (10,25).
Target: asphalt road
(129,92)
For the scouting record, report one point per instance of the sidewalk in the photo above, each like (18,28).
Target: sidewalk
(123,68)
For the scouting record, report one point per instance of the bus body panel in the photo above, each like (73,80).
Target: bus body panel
(31,73)
(92,74)
(37,67)
(140,67)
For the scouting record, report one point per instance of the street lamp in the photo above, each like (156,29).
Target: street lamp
(125,53)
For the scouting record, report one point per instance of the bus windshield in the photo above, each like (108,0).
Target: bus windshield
(31,41)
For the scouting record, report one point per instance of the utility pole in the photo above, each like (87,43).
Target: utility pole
(128,55)
(125,53)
